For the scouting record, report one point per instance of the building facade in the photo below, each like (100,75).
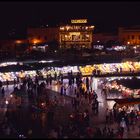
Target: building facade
(13,46)
(129,36)
(41,36)
(78,34)
(104,37)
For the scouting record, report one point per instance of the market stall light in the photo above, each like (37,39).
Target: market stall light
(18,41)
(6,102)
(44,61)
(11,95)
(42,104)
(92,26)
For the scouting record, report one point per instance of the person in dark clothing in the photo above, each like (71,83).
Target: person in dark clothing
(7,83)
(65,90)
(36,80)
(55,76)
(120,69)
(96,107)
(95,95)
(47,81)
(3,92)
(70,82)
(61,78)
(0,84)
(72,79)
(61,92)
(50,79)
(87,83)
(15,82)
(93,107)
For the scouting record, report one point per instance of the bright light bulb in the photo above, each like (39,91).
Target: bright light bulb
(6,102)
(11,95)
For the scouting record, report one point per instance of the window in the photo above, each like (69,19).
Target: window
(128,36)
(132,36)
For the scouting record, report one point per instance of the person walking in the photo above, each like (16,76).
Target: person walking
(107,115)
(3,92)
(96,107)
(65,88)
(0,84)
(61,90)
(47,81)
(14,82)
(87,83)
(7,83)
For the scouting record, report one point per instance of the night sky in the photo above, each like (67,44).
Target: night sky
(106,16)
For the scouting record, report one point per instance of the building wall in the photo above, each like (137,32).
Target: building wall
(104,37)
(76,36)
(42,35)
(11,45)
(129,36)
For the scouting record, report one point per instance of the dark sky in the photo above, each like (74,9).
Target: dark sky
(106,16)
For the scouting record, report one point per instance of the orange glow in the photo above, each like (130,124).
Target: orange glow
(18,41)
(35,41)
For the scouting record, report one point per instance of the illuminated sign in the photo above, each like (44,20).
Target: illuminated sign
(74,33)
(79,21)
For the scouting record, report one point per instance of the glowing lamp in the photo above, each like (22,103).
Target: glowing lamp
(18,41)
(6,102)
(11,95)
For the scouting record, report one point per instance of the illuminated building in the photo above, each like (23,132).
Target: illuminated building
(78,34)
(129,36)
(41,36)
(104,37)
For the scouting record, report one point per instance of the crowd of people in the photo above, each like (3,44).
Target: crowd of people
(78,123)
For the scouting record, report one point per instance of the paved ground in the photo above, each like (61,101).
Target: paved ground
(62,111)
(99,120)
